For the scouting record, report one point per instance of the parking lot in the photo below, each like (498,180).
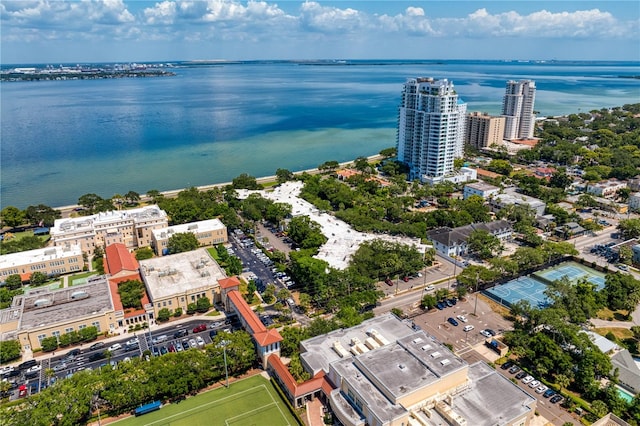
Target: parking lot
(435,322)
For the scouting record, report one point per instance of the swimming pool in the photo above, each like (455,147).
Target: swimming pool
(624,394)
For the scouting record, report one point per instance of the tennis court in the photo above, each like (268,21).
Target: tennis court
(574,271)
(531,288)
(523,288)
(249,402)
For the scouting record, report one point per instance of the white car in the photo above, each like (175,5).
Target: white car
(534,384)
(527,379)
(429,288)
(200,341)
(462,318)
(485,333)
(59,367)
(541,389)
(34,368)
(468,327)
(7,369)
(115,347)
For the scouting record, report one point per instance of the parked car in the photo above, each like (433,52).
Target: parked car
(506,365)
(185,344)
(520,375)
(405,279)
(468,327)
(97,345)
(452,321)
(514,369)
(549,393)
(192,343)
(115,347)
(163,350)
(200,328)
(199,341)
(541,389)
(527,379)
(180,333)
(485,333)
(556,398)
(389,282)
(440,306)
(534,384)
(462,318)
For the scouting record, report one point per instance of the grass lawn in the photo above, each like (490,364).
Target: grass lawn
(620,333)
(251,401)
(80,278)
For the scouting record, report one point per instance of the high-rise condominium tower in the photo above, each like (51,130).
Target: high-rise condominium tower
(517,108)
(431,126)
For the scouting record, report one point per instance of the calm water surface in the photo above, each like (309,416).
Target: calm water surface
(208,124)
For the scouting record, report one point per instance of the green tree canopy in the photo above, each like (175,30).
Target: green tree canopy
(12,216)
(182,242)
(484,244)
(131,292)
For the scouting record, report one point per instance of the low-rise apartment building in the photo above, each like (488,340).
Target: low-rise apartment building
(50,261)
(208,233)
(511,197)
(133,228)
(606,189)
(482,189)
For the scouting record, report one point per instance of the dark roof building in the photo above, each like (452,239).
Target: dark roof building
(453,241)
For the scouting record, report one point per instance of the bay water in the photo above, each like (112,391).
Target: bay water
(210,123)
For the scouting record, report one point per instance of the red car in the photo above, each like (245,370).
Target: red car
(199,328)
(405,279)
(389,282)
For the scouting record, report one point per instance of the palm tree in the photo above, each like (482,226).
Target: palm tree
(563,381)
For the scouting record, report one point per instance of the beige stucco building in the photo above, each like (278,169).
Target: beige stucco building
(44,313)
(484,130)
(177,280)
(385,373)
(133,228)
(208,233)
(50,261)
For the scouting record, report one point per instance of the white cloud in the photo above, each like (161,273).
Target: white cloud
(542,24)
(316,17)
(217,22)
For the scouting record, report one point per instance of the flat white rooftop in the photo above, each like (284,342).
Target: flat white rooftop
(193,227)
(343,240)
(180,273)
(141,214)
(39,255)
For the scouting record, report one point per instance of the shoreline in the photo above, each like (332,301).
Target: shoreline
(261,180)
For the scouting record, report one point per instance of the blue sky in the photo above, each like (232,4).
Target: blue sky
(137,30)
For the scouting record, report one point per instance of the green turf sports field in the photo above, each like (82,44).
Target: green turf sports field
(249,402)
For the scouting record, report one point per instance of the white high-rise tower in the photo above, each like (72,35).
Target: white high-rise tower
(431,127)
(517,108)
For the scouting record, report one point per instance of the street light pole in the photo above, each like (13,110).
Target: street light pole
(224,344)
(476,304)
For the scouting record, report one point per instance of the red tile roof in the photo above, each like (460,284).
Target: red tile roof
(229,282)
(257,329)
(487,173)
(298,389)
(264,338)
(118,259)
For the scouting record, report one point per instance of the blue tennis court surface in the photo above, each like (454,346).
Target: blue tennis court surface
(531,288)
(523,288)
(573,271)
